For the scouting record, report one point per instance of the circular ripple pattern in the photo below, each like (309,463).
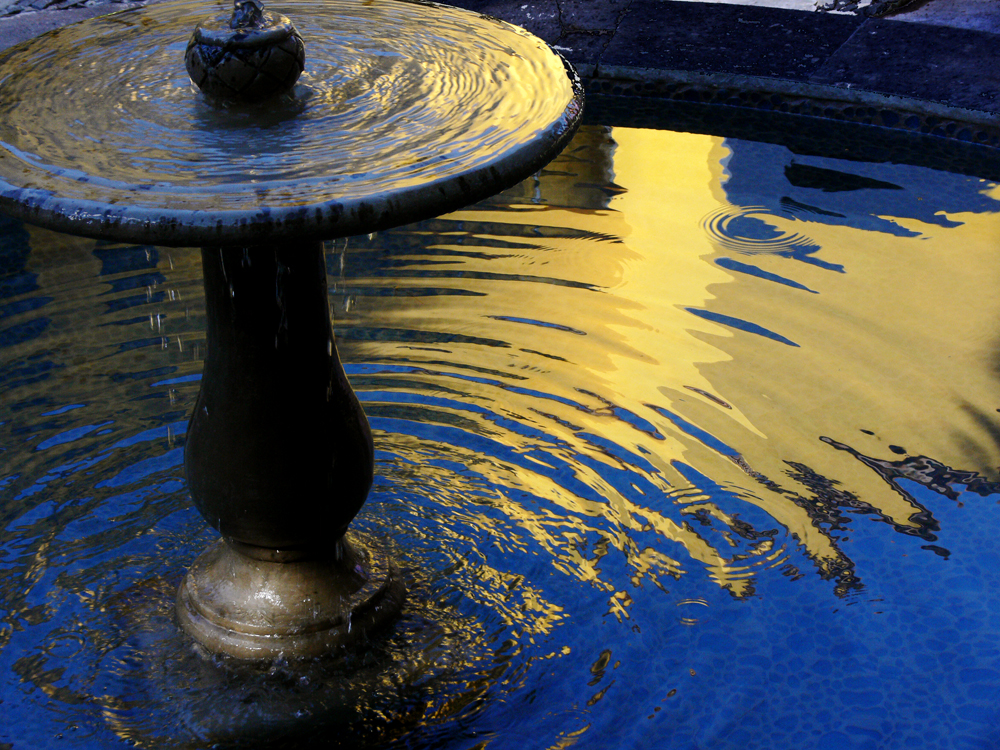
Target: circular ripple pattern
(403,111)
(748,229)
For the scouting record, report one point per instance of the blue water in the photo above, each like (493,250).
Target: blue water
(599,551)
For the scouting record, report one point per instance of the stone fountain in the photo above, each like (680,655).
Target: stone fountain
(403,111)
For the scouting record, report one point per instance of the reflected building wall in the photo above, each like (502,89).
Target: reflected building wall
(844,314)
(664,361)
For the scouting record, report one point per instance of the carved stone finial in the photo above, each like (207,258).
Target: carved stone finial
(251,56)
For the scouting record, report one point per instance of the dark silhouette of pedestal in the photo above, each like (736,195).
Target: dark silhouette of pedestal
(279,459)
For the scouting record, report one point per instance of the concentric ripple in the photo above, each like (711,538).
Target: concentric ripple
(750,230)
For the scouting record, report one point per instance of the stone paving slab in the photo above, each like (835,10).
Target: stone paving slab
(593,15)
(24,26)
(958,67)
(540,18)
(14,7)
(735,39)
(917,66)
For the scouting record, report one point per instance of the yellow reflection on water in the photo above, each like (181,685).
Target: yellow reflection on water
(591,336)
(899,344)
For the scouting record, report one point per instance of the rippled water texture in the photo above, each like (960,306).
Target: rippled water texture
(686,442)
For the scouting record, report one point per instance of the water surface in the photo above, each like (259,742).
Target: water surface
(688,441)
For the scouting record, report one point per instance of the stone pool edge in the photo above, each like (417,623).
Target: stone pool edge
(918,77)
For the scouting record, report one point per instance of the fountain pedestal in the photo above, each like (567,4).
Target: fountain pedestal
(260,609)
(279,459)
(404,111)
(279,455)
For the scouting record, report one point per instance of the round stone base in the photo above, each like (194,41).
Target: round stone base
(258,609)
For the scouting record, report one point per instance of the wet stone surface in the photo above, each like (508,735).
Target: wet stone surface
(250,57)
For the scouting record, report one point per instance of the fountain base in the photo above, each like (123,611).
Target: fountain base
(259,609)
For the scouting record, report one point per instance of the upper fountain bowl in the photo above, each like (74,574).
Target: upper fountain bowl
(404,110)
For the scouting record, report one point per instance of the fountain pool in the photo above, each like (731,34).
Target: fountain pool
(687,441)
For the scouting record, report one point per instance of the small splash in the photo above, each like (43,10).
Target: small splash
(751,230)
(686,617)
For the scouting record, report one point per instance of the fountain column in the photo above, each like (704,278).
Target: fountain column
(279,459)
(272,372)
(279,455)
